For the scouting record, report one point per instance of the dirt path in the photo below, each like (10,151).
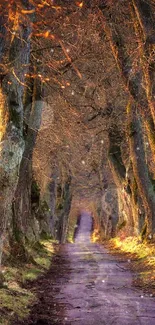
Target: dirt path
(87,286)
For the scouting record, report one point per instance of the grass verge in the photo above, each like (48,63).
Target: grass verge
(15,300)
(141,258)
(73,221)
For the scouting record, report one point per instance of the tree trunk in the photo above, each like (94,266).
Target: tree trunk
(24,225)
(3,31)
(11,93)
(144,25)
(123,186)
(133,79)
(142,97)
(150,129)
(63,209)
(140,168)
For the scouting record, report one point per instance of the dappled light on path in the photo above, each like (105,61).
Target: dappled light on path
(86,285)
(83,234)
(100,289)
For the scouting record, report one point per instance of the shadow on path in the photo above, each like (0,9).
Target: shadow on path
(49,310)
(88,286)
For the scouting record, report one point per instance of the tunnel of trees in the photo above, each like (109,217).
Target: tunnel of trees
(77,119)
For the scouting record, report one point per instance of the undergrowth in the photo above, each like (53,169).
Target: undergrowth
(141,257)
(15,300)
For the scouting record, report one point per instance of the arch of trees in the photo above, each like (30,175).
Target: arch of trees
(77,117)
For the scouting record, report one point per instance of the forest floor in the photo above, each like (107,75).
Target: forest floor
(16,298)
(141,260)
(87,285)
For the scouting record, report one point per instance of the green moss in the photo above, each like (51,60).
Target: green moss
(71,228)
(43,261)
(11,154)
(135,190)
(14,302)
(30,274)
(121,225)
(143,231)
(131,129)
(45,207)
(45,236)
(35,192)
(59,205)
(11,273)
(14,299)
(15,117)
(153,183)
(35,187)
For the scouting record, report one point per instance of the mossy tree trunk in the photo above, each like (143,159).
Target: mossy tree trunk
(119,174)
(140,167)
(3,28)
(11,93)
(64,198)
(115,156)
(140,82)
(150,128)
(144,25)
(24,227)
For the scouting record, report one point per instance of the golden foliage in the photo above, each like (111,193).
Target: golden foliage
(3,115)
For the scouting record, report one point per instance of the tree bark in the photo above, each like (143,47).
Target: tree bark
(115,156)
(12,88)
(140,167)
(119,174)
(63,208)
(133,80)
(23,221)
